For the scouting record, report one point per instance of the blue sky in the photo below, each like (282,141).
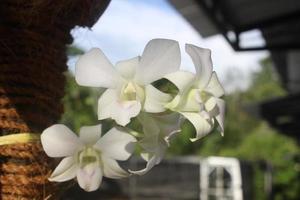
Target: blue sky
(127,25)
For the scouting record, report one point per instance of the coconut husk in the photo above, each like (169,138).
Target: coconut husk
(33,38)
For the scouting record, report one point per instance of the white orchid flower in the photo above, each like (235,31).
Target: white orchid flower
(158,131)
(129,90)
(199,94)
(88,157)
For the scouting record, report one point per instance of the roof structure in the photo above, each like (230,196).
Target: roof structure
(279,24)
(278,20)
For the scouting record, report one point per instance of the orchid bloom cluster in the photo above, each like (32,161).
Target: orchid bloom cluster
(131,96)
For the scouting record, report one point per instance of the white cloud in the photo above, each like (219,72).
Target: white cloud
(126,27)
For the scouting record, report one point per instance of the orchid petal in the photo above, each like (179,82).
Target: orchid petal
(181,79)
(220,117)
(214,86)
(150,126)
(94,69)
(116,144)
(90,134)
(111,106)
(127,68)
(154,160)
(158,130)
(149,143)
(89,177)
(188,101)
(160,57)
(59,141)
(66,170)
(111,169)
(155,100)
(145,156)
(124,111)
(168,124)
(202,60)
(210,104)
(201,125)
(172,105)
(151,133)
(150,164)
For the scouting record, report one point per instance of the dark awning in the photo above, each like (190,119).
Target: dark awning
(278,20)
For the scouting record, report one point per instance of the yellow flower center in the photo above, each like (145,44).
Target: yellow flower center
(88,156)
(129,91)
(132,92)
(204,96)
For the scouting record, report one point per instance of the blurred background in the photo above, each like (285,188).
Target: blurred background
(255,50)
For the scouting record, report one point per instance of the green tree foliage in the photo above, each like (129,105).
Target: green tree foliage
(74,50)
(250,138)
(264,85)
(80,105)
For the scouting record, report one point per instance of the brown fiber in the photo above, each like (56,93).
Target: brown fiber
(33,38)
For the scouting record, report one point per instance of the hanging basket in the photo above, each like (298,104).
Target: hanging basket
(33,38)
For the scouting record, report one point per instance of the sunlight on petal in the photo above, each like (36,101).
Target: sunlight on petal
(155,100)
(160,57)
(181,79)
(111,169)
(201,125)
(202,60)
(90,134)
(110,106)
(116,144)
(127,68)
(214,86)
(95,70)
(66,170)
(59,141)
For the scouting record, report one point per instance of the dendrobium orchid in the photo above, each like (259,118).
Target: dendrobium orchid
(88,156)
(158,131)
(130,94)
(198,99)
(129,83)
